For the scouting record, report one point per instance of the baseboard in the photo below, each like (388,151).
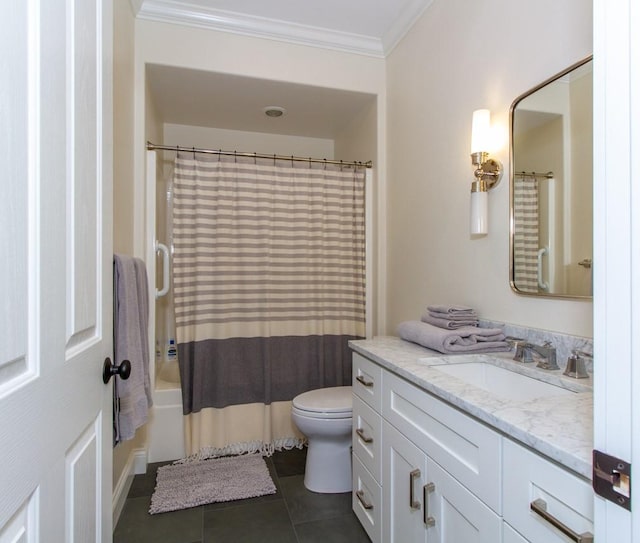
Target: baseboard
(140,461)
(136,463)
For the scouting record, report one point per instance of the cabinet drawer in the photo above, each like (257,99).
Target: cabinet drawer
(367,381)
(467,449)
(528,477)
(367,437)
(367,501)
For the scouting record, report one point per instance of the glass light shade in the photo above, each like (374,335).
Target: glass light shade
(479,213)
(481,131)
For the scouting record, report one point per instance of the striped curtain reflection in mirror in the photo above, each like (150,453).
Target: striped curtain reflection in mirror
(526,233)
(269,286)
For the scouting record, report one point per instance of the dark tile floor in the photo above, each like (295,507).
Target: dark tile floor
(291,515)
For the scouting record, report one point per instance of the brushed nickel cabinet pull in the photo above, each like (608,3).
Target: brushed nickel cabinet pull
(426,489)
(365,503)
(539,507)
(413,504)
(363,437)
(364,382)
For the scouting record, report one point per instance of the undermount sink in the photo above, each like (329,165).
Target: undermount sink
(500,381)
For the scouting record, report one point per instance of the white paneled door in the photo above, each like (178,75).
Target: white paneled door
(56,272)
(616,280)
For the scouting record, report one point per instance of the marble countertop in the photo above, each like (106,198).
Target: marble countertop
(559,427)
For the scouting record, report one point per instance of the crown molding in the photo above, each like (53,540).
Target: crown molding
(403,24)
(169,11)
(136,5)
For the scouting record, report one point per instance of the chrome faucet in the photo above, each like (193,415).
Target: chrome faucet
(546,355)
(518,343)
(576,365)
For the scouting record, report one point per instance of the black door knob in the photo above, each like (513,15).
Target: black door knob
(109,370)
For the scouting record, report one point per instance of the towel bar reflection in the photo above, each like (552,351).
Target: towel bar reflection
(541,283)
(164,250)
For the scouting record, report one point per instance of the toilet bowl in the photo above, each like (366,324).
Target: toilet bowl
(324,416)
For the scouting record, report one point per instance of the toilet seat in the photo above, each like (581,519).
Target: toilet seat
(325,403)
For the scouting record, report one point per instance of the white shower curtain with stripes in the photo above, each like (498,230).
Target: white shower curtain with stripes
(269,286)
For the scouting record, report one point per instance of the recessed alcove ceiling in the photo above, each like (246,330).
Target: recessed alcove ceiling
(199,98)
(192,97)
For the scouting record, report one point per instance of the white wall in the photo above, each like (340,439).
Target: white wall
(232,140)
(123,70)
(123,185)
(461,56)
(358,141)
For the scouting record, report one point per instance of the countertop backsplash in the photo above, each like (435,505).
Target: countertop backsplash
(563,343)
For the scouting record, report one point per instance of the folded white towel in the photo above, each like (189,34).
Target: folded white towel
(448,323)
(452,309)
(452,316)
(469,339)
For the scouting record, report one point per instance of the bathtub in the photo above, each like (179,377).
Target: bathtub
(166,424)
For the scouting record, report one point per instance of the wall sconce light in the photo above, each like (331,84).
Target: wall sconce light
(488,171)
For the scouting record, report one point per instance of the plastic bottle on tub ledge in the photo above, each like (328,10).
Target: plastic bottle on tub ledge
(172,350)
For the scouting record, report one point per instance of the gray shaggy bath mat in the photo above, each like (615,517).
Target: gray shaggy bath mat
(179,486)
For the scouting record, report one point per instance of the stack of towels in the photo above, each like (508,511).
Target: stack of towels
(453,329)
(450,316)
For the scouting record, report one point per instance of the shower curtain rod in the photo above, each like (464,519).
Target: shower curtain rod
(548,175)
(153,147)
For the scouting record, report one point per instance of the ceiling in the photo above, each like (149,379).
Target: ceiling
(198,98)
(367,27)
(371,27)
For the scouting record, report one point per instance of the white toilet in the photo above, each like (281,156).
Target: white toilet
(324,416)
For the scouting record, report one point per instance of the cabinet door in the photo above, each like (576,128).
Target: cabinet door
(454,514)
(403,478)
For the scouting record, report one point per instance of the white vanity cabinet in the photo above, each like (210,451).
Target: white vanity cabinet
(425,471)
(410,452)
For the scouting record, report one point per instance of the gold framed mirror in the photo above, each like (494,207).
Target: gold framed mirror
(551,193)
